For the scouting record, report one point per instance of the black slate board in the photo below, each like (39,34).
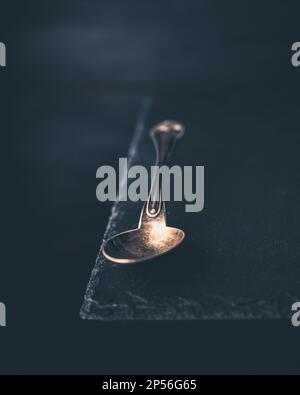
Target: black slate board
(240,258)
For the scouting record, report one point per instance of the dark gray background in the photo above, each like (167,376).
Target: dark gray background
(77,72)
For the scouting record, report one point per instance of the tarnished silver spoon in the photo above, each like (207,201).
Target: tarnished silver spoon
(152,237)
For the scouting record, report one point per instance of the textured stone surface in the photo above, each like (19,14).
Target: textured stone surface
(240,257)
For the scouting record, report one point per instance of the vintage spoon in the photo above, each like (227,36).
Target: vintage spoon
(152,237)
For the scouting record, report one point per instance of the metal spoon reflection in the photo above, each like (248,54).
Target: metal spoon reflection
(152,237)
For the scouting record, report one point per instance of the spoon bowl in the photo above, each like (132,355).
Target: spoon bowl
(143,243)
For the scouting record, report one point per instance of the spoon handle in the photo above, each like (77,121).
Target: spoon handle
(164,136)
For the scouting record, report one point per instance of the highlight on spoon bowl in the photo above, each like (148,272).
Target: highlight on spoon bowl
(142,243)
